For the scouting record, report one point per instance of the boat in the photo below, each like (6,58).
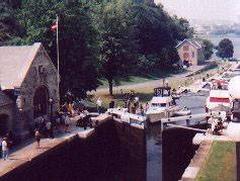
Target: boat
(183,112)
(162,105)
(218,97)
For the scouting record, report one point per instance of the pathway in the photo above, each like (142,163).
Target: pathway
(153,83)
(28,152)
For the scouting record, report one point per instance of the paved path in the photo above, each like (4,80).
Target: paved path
(29,152)
(152,83)
(156,83)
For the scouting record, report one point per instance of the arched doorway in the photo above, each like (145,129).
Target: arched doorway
(40,101)
(4,120)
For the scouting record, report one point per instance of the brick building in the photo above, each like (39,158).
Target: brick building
(190,52)
(29,87)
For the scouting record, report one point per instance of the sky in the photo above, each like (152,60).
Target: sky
(210,10)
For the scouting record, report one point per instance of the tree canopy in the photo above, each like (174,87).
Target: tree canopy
(158,35)
(9,26)
(207,49)
(107,39)
(116,40)
(225,48)
(76,40)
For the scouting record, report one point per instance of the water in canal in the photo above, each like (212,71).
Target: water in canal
(172,144)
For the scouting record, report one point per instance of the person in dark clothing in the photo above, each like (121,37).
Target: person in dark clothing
(38,138)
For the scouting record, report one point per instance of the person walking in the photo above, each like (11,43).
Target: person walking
(4,149)
(38,138)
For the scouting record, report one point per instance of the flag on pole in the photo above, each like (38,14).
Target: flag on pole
(54,26)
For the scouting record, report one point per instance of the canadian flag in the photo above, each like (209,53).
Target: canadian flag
(54,26)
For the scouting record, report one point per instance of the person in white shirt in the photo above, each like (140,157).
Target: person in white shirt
(4,149)
(67,123)
(99,105)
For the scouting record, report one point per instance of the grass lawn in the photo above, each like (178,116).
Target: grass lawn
(130,80)
(220,164)
(135,79)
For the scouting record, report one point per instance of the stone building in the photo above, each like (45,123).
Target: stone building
(190,52)
(29,87)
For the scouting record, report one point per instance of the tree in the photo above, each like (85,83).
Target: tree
(158,35)
(9,26)
(207,49)
(116,41)
(225,48)
(76,40)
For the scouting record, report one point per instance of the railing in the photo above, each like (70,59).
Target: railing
(124,116)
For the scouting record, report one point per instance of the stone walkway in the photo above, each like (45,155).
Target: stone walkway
(28,150)
(27,153)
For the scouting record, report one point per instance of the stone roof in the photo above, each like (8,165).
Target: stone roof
(193,42)
(15,62)
(4,99)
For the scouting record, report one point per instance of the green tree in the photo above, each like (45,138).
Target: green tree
(116,41)
(207,49)
(158,35)
(76,36)
(9,26)
(225,48)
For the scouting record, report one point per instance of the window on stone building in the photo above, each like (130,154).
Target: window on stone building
(40,69)
(185,48)
(193,54)
(186,56)
(34,72)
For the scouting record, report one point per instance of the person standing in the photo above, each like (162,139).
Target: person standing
(67,124)
(4,149)
(146,107)
(99,105)
(38,138)
(49,129)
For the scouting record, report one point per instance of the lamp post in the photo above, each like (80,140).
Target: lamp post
(51,108)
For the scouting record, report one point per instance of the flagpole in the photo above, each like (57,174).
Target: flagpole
(58,61)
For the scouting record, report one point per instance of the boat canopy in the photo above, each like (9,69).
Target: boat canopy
(219,93)
(161,100)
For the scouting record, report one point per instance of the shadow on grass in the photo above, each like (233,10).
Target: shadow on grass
(140,78)
(143,97)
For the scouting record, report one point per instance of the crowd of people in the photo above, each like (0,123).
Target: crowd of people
(135,107)
(61,121)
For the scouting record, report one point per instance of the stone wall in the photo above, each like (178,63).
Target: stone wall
(133,154)
(9,111)
(34,79)
(114,151)
(178,151)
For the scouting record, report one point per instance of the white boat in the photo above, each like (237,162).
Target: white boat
(183,112)
(218,97)
(161,105)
